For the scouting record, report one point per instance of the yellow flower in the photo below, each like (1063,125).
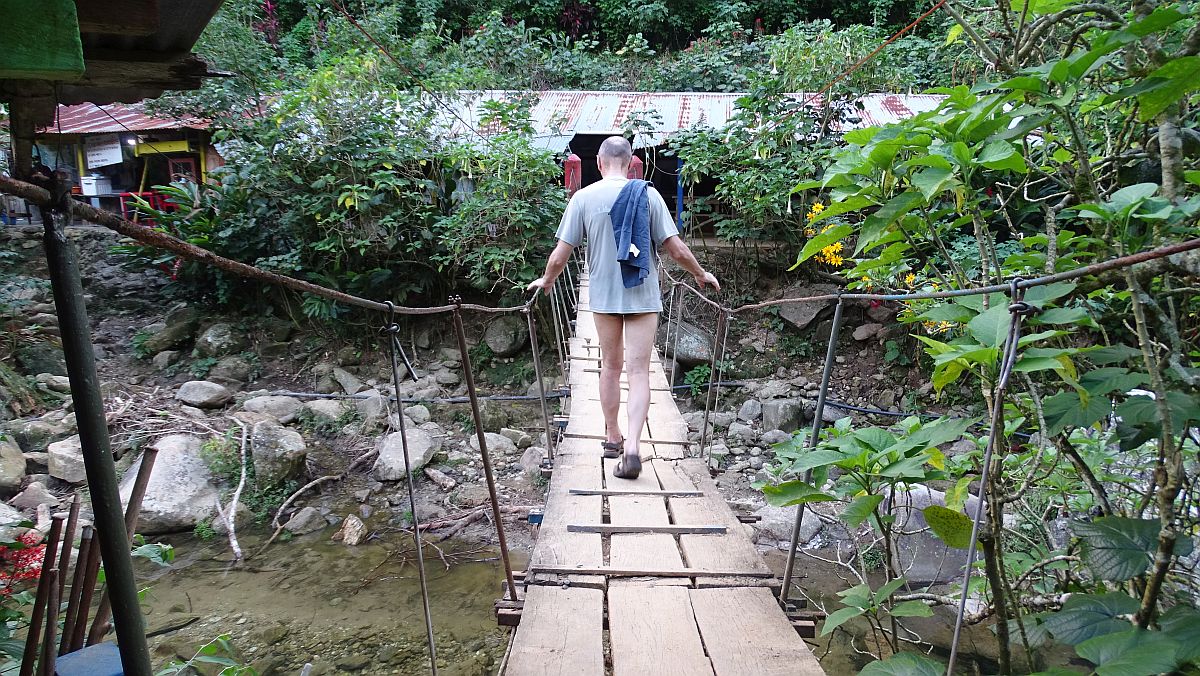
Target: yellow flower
(910,278)
(809,232)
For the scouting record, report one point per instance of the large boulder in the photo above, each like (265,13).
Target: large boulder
(349,383)
(233,368)
(182,490)
(782,414)
(177,329)
(33,497)
(33,435)
(12,465)
(801,315)
(66,460)
(389,466)
(324,411)
(203,394)
(219,340)
(925,558)
(38,356)
(283,409)
(278,453)
(506,335)
(496,443)
(775,526)
(693,346)
(307,520)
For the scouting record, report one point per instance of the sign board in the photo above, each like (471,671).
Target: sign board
(102,150)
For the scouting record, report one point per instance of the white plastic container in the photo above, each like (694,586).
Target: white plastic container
(95,185)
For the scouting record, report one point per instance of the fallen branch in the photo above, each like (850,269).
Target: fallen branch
(229,514)
(456,524)
(287,503)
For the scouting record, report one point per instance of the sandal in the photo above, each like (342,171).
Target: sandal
(613,449)
(628,467)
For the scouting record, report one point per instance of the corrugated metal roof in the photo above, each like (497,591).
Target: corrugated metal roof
(88,118)
(558,115)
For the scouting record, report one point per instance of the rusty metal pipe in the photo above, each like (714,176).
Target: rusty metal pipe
(39,602)
(72,616)
(90,573)
(469,377)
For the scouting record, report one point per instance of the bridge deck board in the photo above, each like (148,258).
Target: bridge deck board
(661,618)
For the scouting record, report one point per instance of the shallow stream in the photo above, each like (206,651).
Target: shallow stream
(342,609)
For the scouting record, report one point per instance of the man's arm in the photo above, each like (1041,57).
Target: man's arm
(554,267)
(682,255)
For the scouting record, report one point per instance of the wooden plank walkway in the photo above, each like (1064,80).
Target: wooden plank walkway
(645,599)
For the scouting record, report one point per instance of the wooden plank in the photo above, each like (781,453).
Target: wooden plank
(647,551)
(555,545)
(669,442)
(613,571)
(634,491)
(747,634)
(731,551)
(652,631)
(673,529)
(561,632)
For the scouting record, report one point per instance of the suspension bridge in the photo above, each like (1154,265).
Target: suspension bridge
(651,576)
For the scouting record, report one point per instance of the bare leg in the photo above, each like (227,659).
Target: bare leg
(612,354)
(639,334)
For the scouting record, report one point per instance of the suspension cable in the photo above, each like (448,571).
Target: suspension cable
(1017,311)
(391,332)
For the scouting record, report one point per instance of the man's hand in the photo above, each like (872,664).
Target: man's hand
(540,283)
(707,278)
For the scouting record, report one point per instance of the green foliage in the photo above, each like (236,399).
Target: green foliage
(223,457)
(204,530)
(698,378)
(217,656)
(200,366)
(138,343)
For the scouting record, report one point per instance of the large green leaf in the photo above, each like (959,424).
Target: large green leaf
(1112,354)
(1039,296)
(990,327)
(1182,623)
(932,181)
(877,223)
(861,509)
(816,458)
(1002,156)
(952,527)
(1177,78)
(1086,616)
(1118,548)
(814,245)
(1135,652)
(839,617)
(904,664)
(947,312)
(1065,409)
(794,493)
(1104,381)
(911,609)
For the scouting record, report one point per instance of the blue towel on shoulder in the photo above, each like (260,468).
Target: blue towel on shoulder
(630,217)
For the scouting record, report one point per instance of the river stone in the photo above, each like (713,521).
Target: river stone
(40,357)
(801,315)
(66,460)
(164,359)
(177,329)
(182,490)
(307,520)
(389,466)
(495,443)
(750,411)
(203,394)
(531,461)
(740,431)
(33,496)
(692,347)
(418,414)
(494,415)
(925,558)
(349,383)
(324,410)
(373,409)
(506,335)
(283,409)
(12,465)
(782,414)
(34,435)
(829,414)
(61,384)
(234,367)
(772,437)
(219,340)
(353,531)
(519,437)
(278,453)
(867,331)
(775,525)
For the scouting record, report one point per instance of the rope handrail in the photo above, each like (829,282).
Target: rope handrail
(1022,283)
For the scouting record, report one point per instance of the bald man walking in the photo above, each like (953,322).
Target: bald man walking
(614,214)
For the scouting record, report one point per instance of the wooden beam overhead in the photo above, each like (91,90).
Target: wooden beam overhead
(118,17)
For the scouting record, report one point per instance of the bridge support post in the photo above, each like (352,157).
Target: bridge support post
(710,398)
(818,420)
(551,442)
(469,379)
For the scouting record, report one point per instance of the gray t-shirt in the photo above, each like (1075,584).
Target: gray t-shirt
(587,214)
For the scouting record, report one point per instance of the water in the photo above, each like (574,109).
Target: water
(343,609)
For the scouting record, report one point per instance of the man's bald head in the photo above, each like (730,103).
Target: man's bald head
(615,154)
